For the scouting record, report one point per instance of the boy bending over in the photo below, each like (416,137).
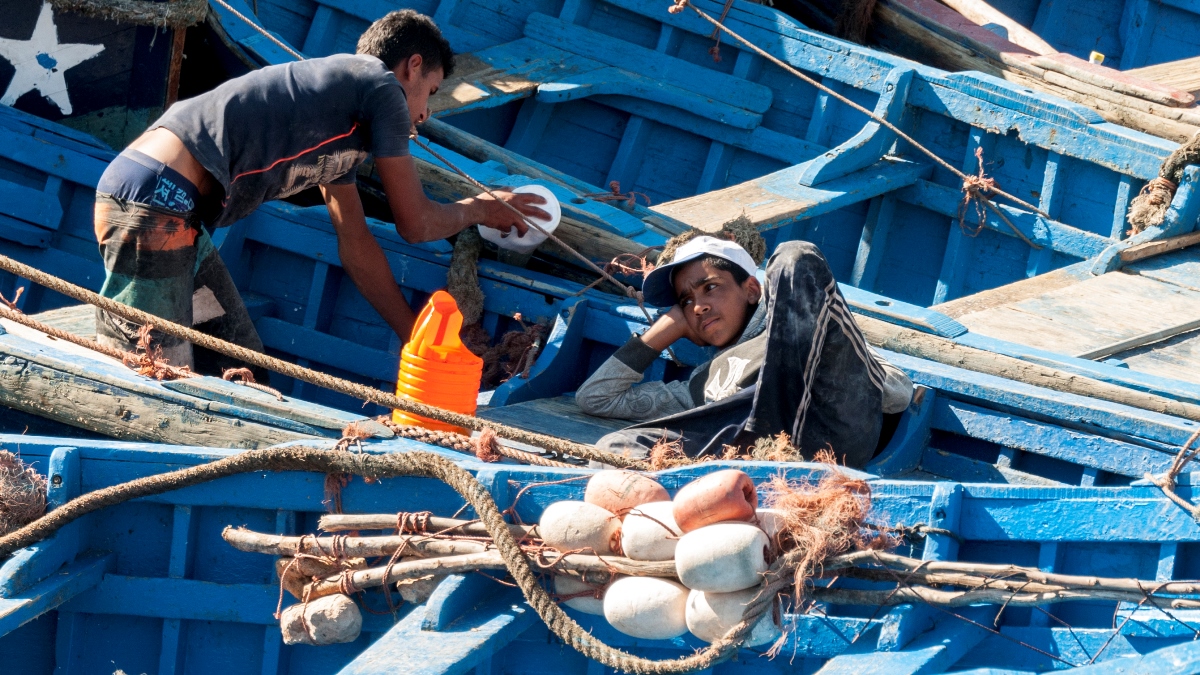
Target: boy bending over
(791,360)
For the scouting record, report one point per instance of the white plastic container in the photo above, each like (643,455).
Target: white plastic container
(565,585)
(711,615)
(574,526)
(722,558)
(647,607)
(649,532)
(532,238)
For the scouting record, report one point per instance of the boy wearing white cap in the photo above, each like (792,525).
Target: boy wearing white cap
(791,359)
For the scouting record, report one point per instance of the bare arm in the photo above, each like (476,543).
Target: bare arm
(419,218)
(363,258)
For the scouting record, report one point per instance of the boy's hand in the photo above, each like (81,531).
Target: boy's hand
(499,217)
(668,328)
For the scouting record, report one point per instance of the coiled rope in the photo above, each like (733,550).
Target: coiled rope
(426,465)
(359,391)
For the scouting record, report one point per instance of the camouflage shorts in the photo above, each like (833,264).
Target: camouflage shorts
(164,263)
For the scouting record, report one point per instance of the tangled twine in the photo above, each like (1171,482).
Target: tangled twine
(513,355)
(741,231)
(22,493)
(615,195)
(854,20)
(1149,208)
(245,377)
(177,14)
(1167,482)
(148,361)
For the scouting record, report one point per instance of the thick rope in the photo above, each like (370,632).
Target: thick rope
(480,447)
(680,5)
(1149,208)
(462,278)
(179,14)
(359,391)
(426,465)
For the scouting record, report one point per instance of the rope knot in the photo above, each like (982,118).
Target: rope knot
(486,446)
(678,6)
(12,304)
(412,522)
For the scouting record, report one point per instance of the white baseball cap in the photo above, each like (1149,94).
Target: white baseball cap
(659,286)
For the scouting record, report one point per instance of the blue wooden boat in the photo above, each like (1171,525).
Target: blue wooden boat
(311,316)
(108,71)
(149,586)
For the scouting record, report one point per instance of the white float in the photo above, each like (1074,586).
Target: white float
(618,490)
(649,532)
(770,521)
(565,585)
(573,526)
(722,558)
(647,607)
(711,615)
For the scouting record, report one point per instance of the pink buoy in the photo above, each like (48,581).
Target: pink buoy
(719,497)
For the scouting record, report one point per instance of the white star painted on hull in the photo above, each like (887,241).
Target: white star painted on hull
(41,62)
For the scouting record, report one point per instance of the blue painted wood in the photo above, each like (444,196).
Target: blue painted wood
(410,649)
(454,597)
(871,142)
(76,578)
(549,377)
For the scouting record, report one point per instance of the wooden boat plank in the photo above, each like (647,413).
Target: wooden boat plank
(1175,358)
(937,649)
(557,416)
(1080,449)
(590,44)
(67,583)
(83,388)
(778,199)
(1180,268)
(1089,314)
(472,640)
(1015,292)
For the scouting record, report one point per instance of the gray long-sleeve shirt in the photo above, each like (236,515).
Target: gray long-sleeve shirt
(614,389)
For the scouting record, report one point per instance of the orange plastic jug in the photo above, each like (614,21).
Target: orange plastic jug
(436,368)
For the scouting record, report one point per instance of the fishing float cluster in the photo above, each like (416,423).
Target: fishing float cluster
(720,541)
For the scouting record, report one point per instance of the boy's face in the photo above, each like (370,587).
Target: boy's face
(715,306)
(418,85)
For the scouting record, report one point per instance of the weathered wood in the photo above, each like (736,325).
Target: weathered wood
(1014,292)
(941,350)
(1181,115)
(1114,80)
(347,522)
(982,13)
(1088,315)
(1183,74)
(941,598)
(1159,247)
(83,393)
(1140,340)
(592,242)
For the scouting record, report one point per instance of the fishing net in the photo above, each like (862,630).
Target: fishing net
(740,230)
(22,493)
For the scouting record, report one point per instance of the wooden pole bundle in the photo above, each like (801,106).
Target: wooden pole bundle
(940,583)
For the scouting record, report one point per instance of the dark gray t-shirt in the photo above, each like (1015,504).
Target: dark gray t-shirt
(282,129)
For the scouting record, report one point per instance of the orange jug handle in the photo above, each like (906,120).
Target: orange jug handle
(437,326)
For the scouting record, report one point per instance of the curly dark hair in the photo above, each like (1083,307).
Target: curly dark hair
(402,33)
